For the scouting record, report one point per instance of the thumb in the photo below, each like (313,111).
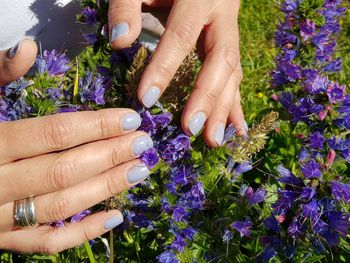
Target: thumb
(125,22)
(16,61)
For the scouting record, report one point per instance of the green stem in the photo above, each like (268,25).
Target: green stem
(111,247)
(89,252)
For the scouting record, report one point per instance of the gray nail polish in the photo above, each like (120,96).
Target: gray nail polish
(151,97)
(131,121)
(219,134)
(119,30)
(142,144)
(197,122)
(13,51)
(137,173)
(245,125)
(114,221)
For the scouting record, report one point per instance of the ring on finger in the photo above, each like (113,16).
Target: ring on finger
(24,213)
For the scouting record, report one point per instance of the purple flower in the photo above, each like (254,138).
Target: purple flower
(242,168)
(307,29)
(167,257)
(285,201)
(174,149)
(80,216)
(89,15)
(15,87)
(336,93)
(290,5)
(333,66)
(310,210)
(150,158)
(295,229)
(53,63)
(189,233)
(271,224)
(180,175)
(340,191)
(316,140)
(243,227)
(288,177)
(311,169)
(92,89)
(179,214)
(178,244)
(339,222)
(227,236)
(90,38)
(255,198)
(308,193)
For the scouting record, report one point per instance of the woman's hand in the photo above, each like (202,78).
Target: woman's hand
(68,162)
(212,24)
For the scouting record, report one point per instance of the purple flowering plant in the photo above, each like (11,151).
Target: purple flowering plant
(236,203)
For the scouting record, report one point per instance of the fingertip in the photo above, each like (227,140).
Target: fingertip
(113,218)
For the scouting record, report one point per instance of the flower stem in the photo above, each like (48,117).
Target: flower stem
(111,247)
(89,252)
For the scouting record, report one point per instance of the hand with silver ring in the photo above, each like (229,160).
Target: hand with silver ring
(53,167)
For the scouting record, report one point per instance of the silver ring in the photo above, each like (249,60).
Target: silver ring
(25,213)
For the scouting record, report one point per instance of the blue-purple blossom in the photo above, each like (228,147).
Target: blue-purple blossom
(308,193)
(341,191)
(255,197)
(307,29)
(150,158)
(336,93)
(90,15)
(311,169)
(80,216)
(174,149)
(167,257)
(179,214)
(316,140)
(90,38)
(92,88)
(243,227)
(178,243)
(227,236)
(53,63)
(271,223)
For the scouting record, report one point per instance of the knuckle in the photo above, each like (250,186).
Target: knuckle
(211,96)
(61,173)
(185,36)
(230,57)
(116,156)
(111,186)
(224,108)
(55,133)
(87,235)
(48,246)
(104,125)
(164,71)
(60,209)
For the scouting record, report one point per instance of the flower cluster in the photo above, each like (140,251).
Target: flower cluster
(311,199)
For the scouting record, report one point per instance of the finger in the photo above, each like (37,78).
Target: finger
(16,62)
(50,240)
(68,202)
(125,22)
(56,171)
(36,136)
(180,36)
(215,128)
(222,49)
(236,116)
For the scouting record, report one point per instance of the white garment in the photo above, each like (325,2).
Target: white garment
(52,23)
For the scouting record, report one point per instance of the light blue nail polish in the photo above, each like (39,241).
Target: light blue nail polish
(114,221)
(245,125)
(142,144)
(151,97)
(219,134)
(197,122)
(13,51)
(119,30)
(131,121)
(137,173)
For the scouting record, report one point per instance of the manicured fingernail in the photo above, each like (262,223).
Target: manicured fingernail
(151,97)
(219,134)
(197,122)
(245,125)
(142,144)
(137,173)
(114,221)
(13,51)
(119,30)
(131,121)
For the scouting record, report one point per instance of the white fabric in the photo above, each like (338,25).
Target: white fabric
(52,24)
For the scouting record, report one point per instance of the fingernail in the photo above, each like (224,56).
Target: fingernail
(119,30)
(219,134)
(137,173)
(13,51)
(114,221)
(197,122)
(131,121)
(142,144)
(151,97)
(245,125)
